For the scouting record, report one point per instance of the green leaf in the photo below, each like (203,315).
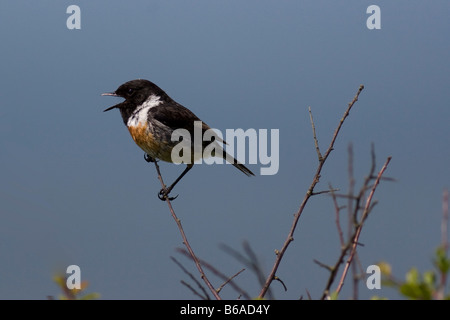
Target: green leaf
(385,268)
(412,276)
(91,296)
(334,295)
(378,298)
(429,279)
(441,261)
(418,291)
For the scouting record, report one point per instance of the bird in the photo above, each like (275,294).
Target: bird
(152,117)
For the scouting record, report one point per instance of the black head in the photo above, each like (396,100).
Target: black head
(135,92)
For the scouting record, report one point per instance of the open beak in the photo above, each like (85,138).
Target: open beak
(110,108)
(112,94)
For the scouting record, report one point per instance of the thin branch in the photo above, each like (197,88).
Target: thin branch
(333,270)
(351,179)
(359,228)
(352,217)
(351,190)
(195,292)
(316,143)
(440,292)
(444,224)
(251,262)
(357,276)
(309,193)
(206,296)
(185,241)
(254,262)
(324,191)
(218,273)
(309,296)
(282,283)
(323,265)
(229,280)
(337,217)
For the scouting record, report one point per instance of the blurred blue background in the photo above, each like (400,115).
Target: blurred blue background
(75,189)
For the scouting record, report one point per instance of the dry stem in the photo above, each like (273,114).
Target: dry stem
(309,193)
(185,241)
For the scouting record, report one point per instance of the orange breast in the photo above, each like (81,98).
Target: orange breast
(145,139)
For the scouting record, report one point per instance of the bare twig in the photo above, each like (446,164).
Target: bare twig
(357,276)
(309,296)
(282,283)
(444,224)
(361,223)
(185,241)
(337,215)
(353,223)
(219,274)
(205,296)
(316,143)
(440,292)
(195,292)
(251,261)
(334,270)
(229,280)
(351,188)
(309,193)
(323,265)
(324,191)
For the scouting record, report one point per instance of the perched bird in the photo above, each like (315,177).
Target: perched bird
(151,117)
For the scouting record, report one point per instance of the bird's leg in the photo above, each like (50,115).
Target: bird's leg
(164,193)
(161,196)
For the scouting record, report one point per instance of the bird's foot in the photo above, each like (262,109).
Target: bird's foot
(148,158)
(164,195)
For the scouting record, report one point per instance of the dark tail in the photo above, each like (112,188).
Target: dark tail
(243,168)
(227,157)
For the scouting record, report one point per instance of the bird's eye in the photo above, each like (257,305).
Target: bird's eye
(130,91)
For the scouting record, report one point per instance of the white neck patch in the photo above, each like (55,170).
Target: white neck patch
(139,115)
